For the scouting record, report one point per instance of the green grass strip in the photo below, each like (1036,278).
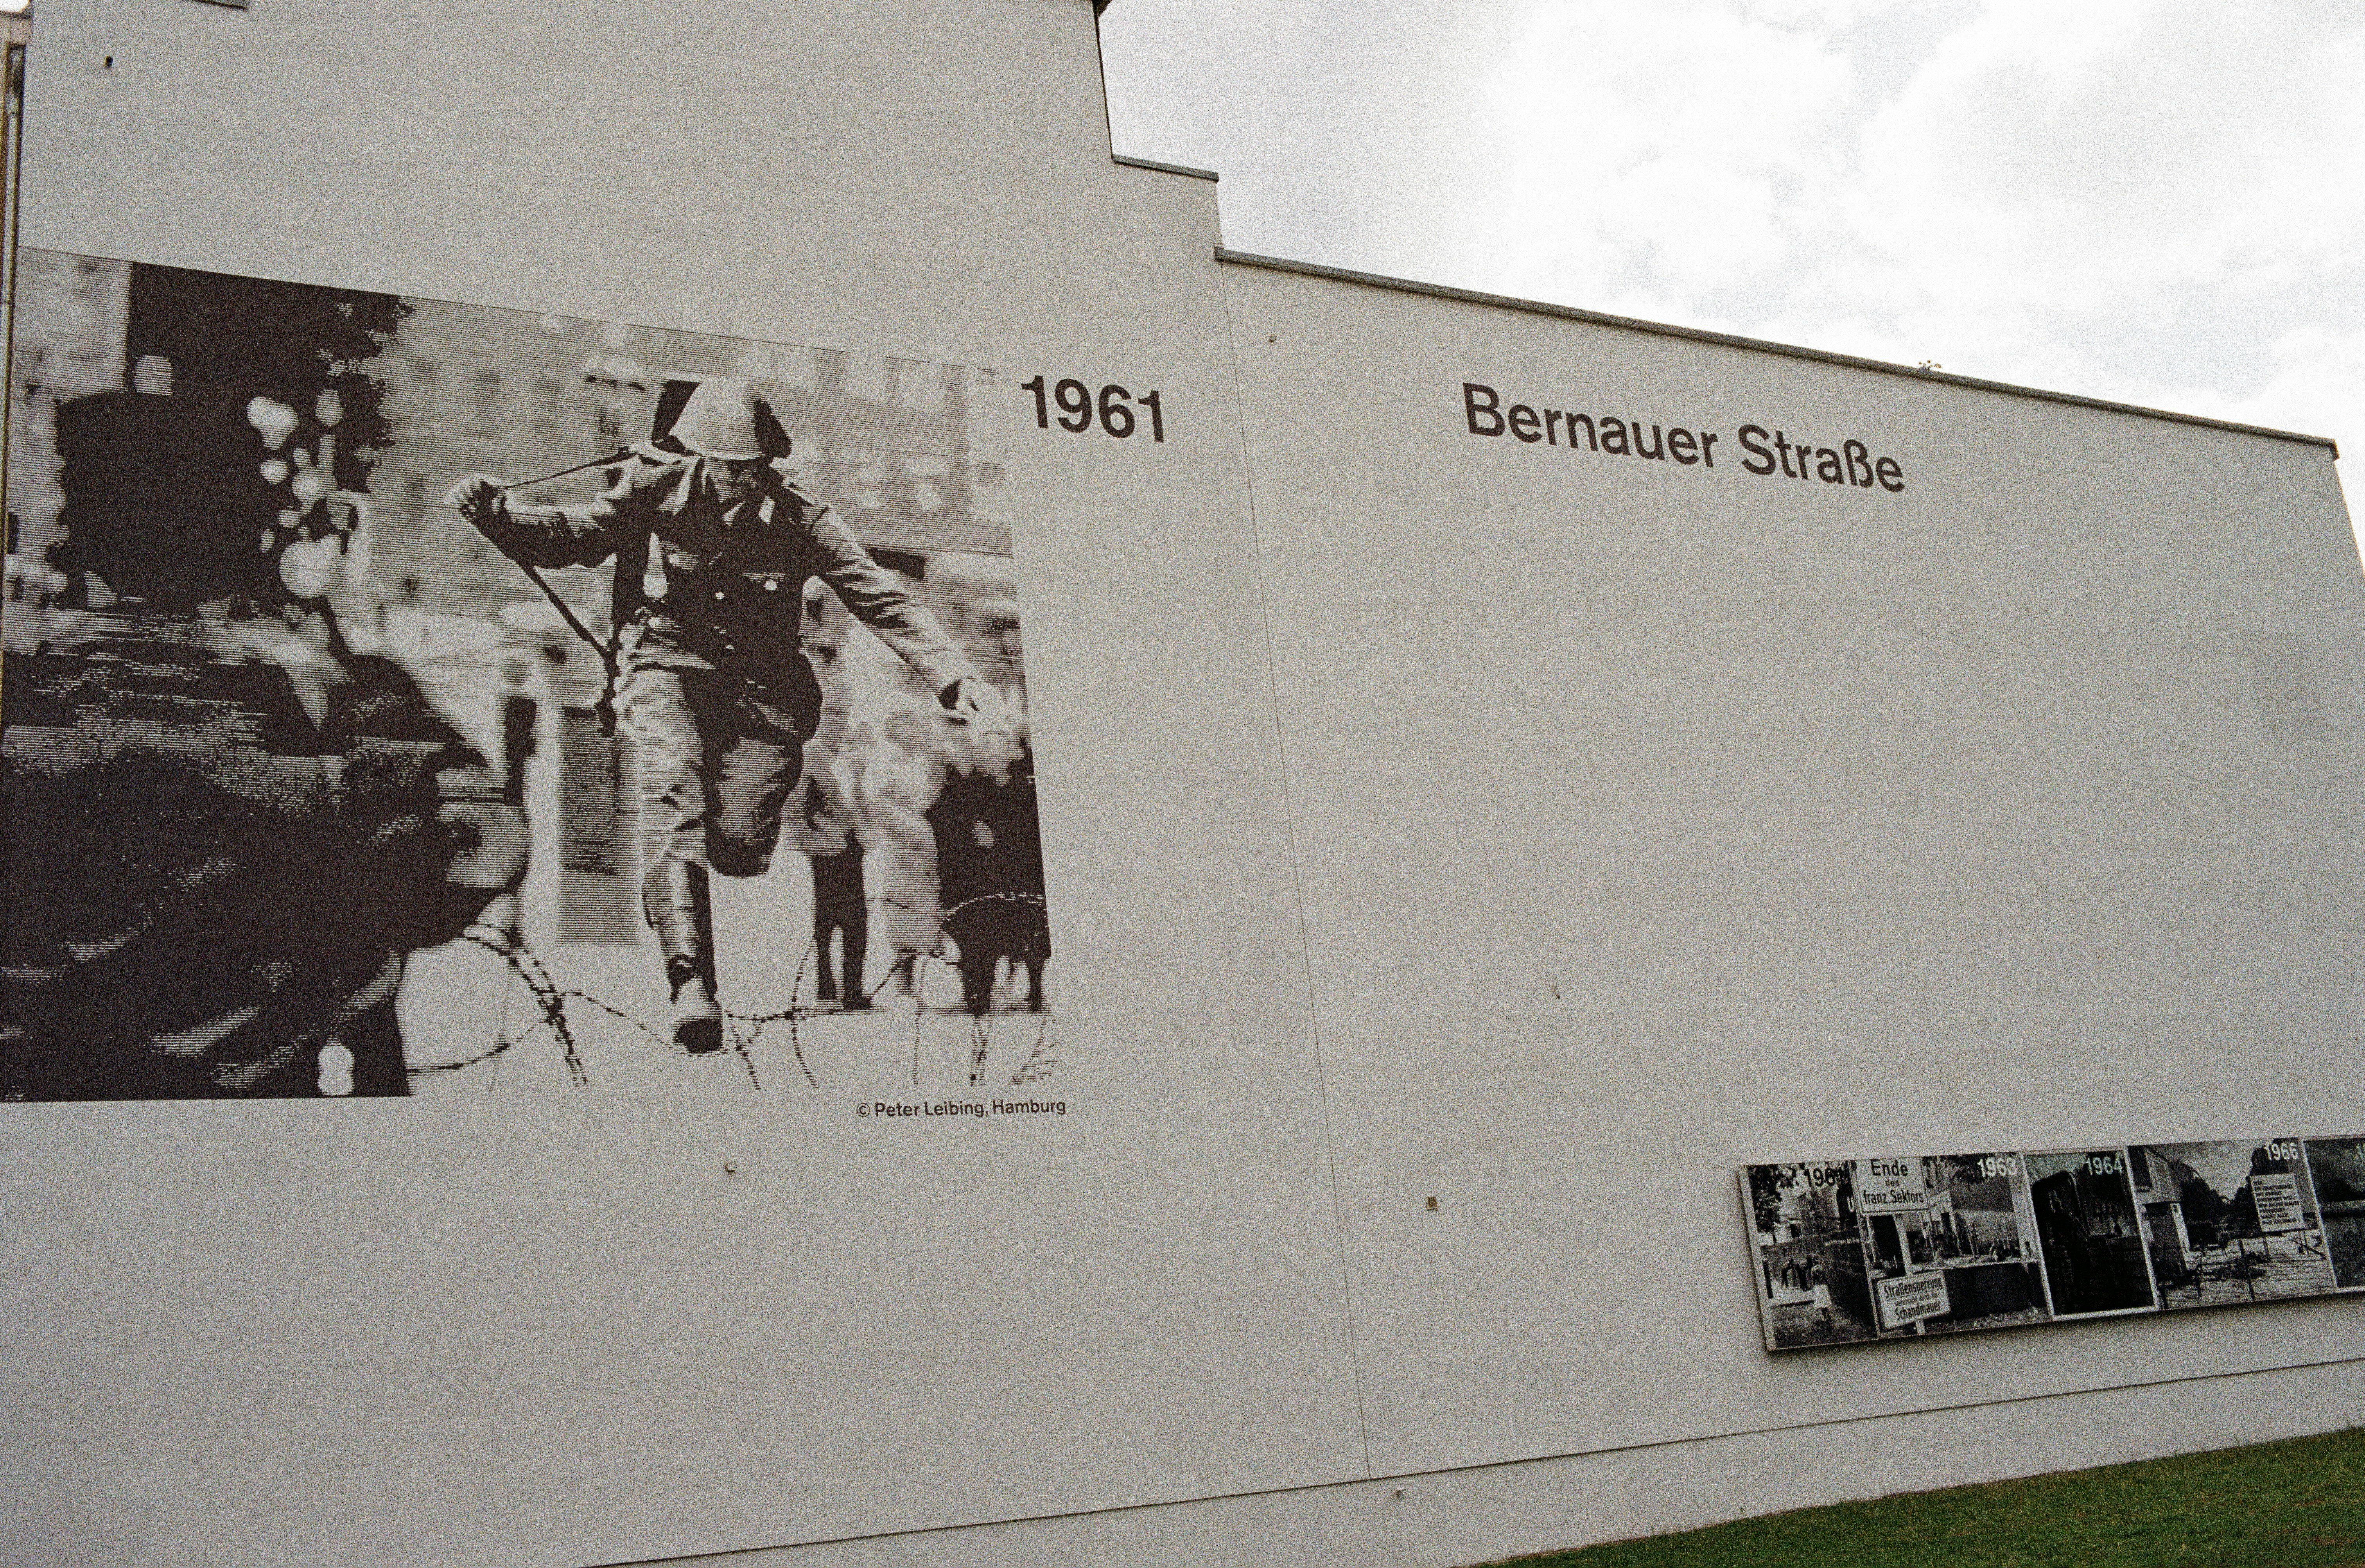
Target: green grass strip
(2299,1504)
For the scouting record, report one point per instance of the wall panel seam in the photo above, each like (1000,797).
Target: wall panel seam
(1297,873)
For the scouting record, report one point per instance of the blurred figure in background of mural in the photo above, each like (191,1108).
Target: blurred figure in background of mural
(227,826)
(518,715)
(903,783)
(713,550)
(826,824)
(824,829)
(989,869)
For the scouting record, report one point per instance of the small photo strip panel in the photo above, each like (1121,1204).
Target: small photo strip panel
(2336,1169)
(1982,1238)
(1906,1286)
(1807,1235)
(1899,1247)
(2090,1233)
(2230,1222)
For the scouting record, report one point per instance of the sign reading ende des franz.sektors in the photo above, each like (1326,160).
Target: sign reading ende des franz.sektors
(1889,1186)
(1845,461)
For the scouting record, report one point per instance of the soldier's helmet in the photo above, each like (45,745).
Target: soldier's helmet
(726,418)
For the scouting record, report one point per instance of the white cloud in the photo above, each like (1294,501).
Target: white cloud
(2318,386)
(1321,118)
(1655,156)
(2151,200)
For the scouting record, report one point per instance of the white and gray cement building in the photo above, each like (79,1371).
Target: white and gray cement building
(1498,769)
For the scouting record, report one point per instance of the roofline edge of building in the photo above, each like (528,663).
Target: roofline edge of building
(1730,339)
(1131,163)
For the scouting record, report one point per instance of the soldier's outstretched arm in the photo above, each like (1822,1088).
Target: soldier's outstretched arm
(879,600)
(542,536)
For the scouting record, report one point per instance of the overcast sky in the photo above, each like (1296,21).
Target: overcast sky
(2155,201)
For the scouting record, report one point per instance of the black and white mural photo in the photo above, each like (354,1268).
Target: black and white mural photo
(2089,1232)
(2336,1169)
(1893,1247)
(2230,1222)
(1982,1235)
(1900,1248)
(1949,1243)
(1811,1283)
(403,695)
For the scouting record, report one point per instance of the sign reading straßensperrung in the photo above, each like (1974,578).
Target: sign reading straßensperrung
(1911,1299)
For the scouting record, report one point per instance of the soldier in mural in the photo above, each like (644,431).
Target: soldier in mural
(713,551)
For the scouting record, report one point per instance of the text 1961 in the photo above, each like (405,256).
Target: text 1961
(1079,408)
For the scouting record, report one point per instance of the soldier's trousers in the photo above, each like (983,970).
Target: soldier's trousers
(717,760)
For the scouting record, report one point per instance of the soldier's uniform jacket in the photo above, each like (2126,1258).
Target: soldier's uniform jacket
(711,563)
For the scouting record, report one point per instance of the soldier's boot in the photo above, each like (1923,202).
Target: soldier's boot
(674,896)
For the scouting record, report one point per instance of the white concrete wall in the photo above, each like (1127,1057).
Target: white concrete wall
(1653,819)
(1493,1511)
(1639,822)
(240,1333)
